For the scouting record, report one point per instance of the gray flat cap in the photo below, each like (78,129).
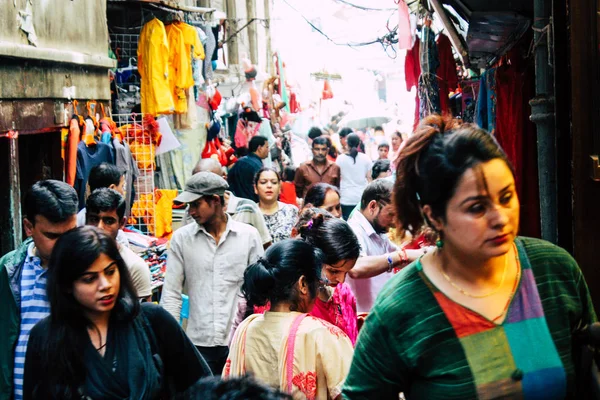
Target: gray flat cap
(202,184)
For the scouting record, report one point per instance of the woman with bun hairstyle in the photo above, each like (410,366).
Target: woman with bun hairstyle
(488,314)
(355,168)
(335,302)
(285,347)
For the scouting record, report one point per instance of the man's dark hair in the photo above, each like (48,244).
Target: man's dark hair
(314,132)
(378,128)
(322,140)
(54,200)
(256,142)
(383,144)
(345,132)
(379,190)
(104,175)
(104,200)
(233,388)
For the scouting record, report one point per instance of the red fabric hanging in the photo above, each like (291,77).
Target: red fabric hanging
(71,151)
(447,77)
(327,92)
(517,134)
(412,71)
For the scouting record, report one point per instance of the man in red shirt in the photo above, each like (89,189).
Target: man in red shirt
(319,169)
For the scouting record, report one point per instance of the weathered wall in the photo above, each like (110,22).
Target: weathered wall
(71,47)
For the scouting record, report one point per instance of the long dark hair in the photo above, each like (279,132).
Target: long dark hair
(432,163)
(273,278)
(74,252)
(354,143)
(316,193)
(333,236)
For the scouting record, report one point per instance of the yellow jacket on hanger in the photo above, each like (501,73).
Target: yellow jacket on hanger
(193,48)
(179,67)
(153,66)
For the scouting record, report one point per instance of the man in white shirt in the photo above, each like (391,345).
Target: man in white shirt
(378,255)
(241,210)
(106,210)
(209,258)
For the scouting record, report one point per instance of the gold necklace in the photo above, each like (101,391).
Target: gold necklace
(478,296)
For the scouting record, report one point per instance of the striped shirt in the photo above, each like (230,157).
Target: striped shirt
(34,307)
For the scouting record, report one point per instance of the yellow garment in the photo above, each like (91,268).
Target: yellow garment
(179,67)
(153,59)
(193,48)
(143,209)
(163,212)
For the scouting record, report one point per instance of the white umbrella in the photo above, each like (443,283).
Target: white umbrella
(364,120)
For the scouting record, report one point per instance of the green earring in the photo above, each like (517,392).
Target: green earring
(439,244)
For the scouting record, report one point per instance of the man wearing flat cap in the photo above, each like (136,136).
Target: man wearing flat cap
(208,258)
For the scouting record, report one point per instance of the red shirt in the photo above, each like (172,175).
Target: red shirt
(288,193)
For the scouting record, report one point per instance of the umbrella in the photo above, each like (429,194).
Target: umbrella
(364,120)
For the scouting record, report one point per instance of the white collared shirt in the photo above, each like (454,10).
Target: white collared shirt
(212,274)
(371,244)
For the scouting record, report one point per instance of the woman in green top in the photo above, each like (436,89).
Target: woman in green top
(488,314)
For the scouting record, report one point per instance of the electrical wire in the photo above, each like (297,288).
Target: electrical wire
(386,40)
(363,7)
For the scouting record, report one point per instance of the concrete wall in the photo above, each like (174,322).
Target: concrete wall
(71,49)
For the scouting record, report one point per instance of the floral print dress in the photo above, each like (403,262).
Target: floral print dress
(281,223)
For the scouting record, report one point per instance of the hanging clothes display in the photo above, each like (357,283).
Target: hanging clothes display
(71,150)
(163,212)
(89,156)
(447,76)
(124,160)
(486,101)
(211,46)
(412,71)
(178,67)
(516,133)
(153,67)
(429,91)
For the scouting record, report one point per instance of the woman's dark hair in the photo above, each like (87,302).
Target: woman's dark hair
(432,163)
(67,328)
(333,236)
(354,143)
(379,167)
(316,193)
(273,278)
(399,134)
(265,169)
(243,387)
(289,174)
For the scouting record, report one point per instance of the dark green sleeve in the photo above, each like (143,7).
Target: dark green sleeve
(588,314)
(377,372)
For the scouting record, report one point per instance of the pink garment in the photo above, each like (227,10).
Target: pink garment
(340,311)
(404,31)
(244,132)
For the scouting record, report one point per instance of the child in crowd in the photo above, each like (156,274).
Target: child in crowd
(383,149)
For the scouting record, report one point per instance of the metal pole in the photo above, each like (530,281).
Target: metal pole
(455,38)
(14,187)
(543,115)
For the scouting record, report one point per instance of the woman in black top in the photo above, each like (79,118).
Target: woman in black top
(98,342)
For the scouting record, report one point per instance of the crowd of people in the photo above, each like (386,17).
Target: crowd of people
(359,279)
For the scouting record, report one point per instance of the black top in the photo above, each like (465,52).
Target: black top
(241,176)
(183,365)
